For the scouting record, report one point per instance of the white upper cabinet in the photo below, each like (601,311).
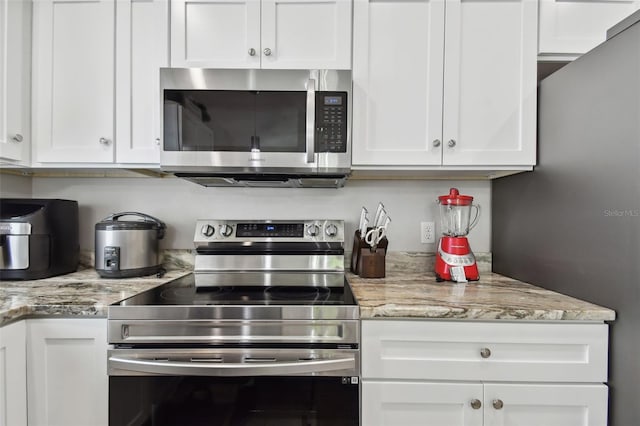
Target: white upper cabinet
(275,34)
(490,83)
(142,46)
(444,83)
(215,33)
(398,61)
(569,28)
(306,34)
(73,80)
(96,80)
(15,82)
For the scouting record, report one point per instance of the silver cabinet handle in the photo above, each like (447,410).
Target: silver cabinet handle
(451,143)
(436,143)
(485,352)
(311,120)
(230,369)
(17,137)
(104,141)
(252,52)
(498,404)
(158,141)
(476,404)
(267,52)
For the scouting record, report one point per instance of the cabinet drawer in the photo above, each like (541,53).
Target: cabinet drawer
(437,350)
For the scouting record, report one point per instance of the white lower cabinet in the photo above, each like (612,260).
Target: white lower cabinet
(13,375)
(67,378)
(396,403)
(471,373)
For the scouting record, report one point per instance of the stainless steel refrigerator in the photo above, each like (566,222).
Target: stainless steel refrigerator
(573,224)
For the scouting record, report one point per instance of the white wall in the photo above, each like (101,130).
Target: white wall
(179,203)
(13,186)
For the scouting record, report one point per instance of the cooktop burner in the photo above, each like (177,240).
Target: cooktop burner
(298,293)
(183,291)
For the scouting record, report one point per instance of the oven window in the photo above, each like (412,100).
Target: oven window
(235,121)
(233,401)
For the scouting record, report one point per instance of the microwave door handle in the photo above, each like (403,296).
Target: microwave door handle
(311,120)
(231,369)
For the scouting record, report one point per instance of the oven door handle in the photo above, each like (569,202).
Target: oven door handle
(311,120)
(180,368)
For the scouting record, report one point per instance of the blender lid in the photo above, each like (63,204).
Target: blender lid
(453,198)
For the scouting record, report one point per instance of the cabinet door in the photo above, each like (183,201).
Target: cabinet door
(215,33)
(573,27)
(13,375)
(548,405)
(67,372)
(397,82)
(73,77)
(15,85)
(490,83)
(142,47)
(326,25)
(418,404)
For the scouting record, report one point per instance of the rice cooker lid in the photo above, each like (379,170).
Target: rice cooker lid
(114,223)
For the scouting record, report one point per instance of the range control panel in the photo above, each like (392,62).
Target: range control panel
(317,230)
(331,122)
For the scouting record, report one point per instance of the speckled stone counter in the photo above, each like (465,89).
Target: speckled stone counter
(410,290)
(81,293)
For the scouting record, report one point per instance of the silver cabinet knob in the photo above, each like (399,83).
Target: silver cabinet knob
(17,137)
(476,404)
(252,52)
(451,143)
(498,404)
(158,141)
(485,352)
(267,52)
(104,141)
(436,143)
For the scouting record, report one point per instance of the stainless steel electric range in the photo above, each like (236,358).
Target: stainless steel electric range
(264,332)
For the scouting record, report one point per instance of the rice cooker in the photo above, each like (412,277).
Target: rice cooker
(128,248)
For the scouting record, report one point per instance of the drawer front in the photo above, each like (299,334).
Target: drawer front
(436,350)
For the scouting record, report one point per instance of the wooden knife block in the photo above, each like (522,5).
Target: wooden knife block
(364,261)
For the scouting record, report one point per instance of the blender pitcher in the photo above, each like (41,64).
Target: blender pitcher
(455,213)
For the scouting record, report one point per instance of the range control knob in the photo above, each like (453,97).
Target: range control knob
(207,230)
(226,230)
(331,230)
(313,230)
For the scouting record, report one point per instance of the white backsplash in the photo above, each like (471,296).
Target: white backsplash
(179,203)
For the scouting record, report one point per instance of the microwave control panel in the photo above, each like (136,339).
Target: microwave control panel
(331,121)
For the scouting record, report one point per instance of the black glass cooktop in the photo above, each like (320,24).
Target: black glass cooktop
(300,289)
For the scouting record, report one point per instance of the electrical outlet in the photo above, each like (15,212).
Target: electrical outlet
(427,232)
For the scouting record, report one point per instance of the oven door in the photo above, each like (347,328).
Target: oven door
(239,387)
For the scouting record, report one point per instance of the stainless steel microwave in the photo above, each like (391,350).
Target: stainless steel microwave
(256,127)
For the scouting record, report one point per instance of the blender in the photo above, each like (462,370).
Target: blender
(455,260)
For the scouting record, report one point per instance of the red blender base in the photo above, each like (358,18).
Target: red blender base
(455,252)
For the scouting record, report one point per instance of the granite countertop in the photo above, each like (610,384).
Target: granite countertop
(81,293)
(409,292)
